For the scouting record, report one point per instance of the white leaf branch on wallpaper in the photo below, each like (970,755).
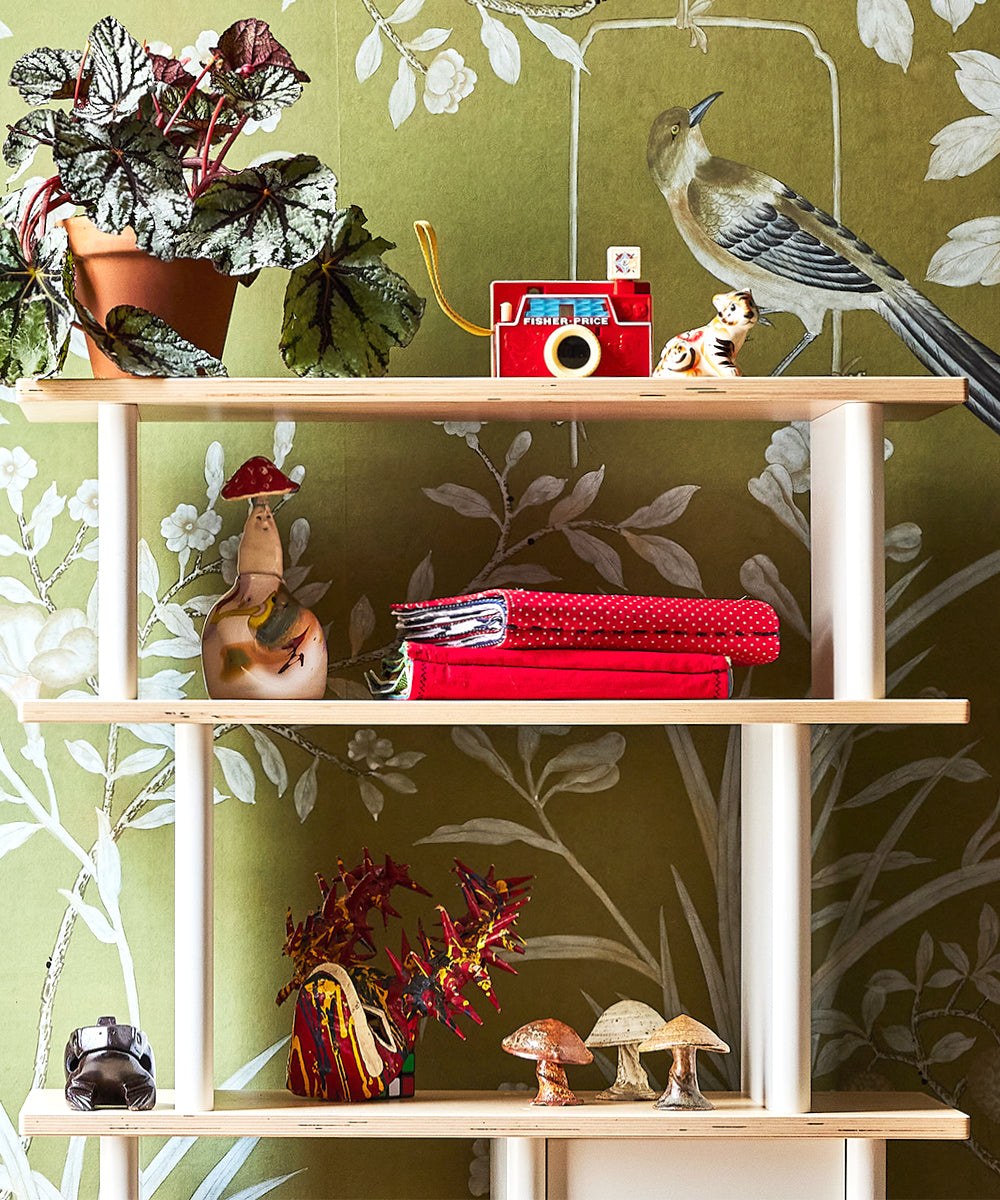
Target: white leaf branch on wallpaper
(886,26)
(501,45)
(971,255)
(968,144)
(955,12)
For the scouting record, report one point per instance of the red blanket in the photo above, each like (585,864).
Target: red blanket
(429,672)
(744,630)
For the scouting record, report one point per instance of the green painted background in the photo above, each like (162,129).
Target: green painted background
(631,866)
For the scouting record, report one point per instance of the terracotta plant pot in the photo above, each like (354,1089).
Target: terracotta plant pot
(188,293)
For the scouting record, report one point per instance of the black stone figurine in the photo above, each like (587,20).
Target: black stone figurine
(109,1065)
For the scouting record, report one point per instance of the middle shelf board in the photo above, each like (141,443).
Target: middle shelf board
(499,712)
(910,1115)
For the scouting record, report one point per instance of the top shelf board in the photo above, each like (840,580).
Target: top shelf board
(909,1115)
(744,398)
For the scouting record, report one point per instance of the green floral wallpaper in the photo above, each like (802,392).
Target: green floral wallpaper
(885,113)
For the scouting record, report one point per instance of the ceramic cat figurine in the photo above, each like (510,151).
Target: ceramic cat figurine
(259,643)
(712,349)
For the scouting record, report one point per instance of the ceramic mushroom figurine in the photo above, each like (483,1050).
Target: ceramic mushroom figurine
(625,1025)
(259,643)
(552,1045)
(685,1037)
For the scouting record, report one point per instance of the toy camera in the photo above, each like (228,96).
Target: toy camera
(572,328)
(568,328)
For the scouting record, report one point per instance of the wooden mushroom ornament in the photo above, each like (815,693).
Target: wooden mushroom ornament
(684,1036)
(625,1025)
(553,1046)
(259,643)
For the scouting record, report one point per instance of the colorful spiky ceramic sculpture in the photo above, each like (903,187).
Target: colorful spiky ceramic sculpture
(355,1025)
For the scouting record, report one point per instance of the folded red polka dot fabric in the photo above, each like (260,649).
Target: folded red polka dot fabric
(746,631)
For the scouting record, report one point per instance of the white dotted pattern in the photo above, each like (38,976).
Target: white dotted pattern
(746,630)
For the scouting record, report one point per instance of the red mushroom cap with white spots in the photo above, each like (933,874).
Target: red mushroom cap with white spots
(258,477)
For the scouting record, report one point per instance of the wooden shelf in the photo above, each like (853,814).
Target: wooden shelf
(503,1114)
(745,398)
(499,712)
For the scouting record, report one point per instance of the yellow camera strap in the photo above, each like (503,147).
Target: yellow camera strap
(428,244)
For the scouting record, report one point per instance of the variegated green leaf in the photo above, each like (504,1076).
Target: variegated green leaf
(142,343)
(33,130)
(125,174)
(46,74)
(261,93)
(121,73)
(345,310)
(36,310)
(273,215)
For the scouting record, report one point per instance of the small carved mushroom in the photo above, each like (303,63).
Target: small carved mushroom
(625,1025)
(258,480)
(551,1044)
(684,1036)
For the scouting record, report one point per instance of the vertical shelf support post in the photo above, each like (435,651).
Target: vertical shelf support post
(119,1168)
(517,1168)
(865,1169)
(117,552)
(776,905)
(194,1068)
(847,519)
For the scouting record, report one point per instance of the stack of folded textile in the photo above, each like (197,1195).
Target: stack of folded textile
(509,644)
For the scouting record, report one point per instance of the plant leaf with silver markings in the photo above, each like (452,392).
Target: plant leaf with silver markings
(125,174)
(261,93)
(274,215)
(345,310)
(36,308)
(142,343)
(33,130)
(45,74)
(120,73)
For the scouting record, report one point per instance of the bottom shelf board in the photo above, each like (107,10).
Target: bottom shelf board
(878,1115)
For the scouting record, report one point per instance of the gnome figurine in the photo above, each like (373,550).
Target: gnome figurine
(259,643)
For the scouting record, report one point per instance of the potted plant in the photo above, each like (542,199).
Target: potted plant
(140,149)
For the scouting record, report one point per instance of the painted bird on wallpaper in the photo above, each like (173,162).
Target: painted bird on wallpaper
(752,231)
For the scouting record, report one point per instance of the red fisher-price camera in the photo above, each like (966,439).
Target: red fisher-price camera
(572,328)
(562,327)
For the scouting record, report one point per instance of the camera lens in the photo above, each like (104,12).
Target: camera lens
(572,350)
(573,353)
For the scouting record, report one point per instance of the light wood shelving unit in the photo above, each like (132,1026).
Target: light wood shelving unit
(775,1110)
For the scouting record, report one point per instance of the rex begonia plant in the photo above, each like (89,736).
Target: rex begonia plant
(143,145)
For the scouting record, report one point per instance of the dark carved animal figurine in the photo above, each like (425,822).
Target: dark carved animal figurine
(109,1065)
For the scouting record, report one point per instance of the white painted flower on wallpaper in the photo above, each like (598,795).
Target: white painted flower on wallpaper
(448,81)
(17,469)
(39,649)
(200,55)
(84,506)
(789,448)
(366,746)
(186,529)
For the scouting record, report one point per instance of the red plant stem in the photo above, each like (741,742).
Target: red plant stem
(217,167)
(35,210)
(208,134)
(79,75)
(188,94)
(229,141)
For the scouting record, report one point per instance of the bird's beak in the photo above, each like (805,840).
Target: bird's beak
(702,107)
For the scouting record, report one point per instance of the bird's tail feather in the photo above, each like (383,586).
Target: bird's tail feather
(945,348)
